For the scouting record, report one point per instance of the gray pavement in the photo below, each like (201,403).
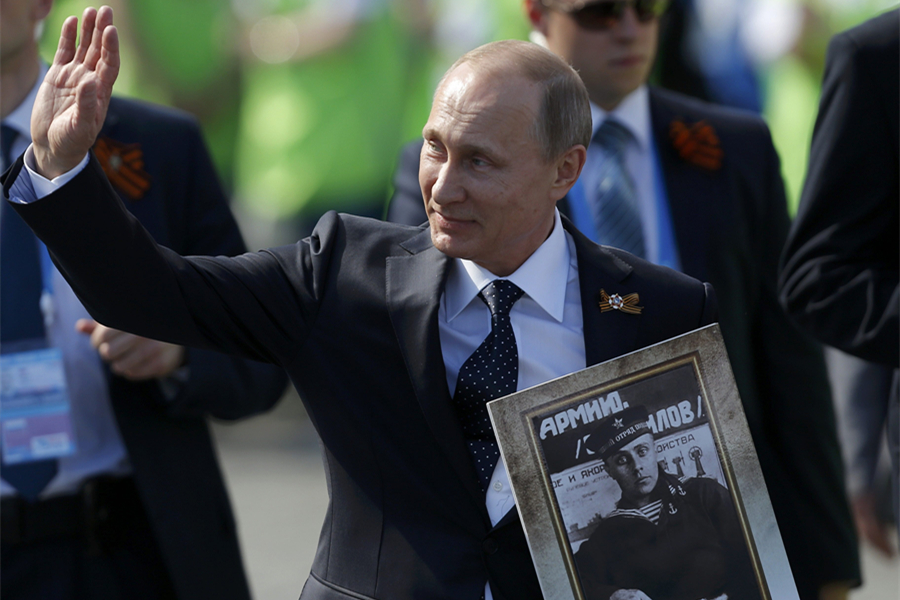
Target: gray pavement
(273,467)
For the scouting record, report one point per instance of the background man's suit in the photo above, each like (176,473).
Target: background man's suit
(168,442)
(730,224)
(352,314)
(840,271)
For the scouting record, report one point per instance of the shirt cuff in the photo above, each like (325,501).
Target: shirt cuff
(26,190)
(172,384)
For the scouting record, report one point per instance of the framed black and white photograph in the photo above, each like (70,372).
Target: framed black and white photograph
(637,479)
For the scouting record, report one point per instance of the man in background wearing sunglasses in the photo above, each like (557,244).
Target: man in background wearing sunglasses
(703,194)
(697,187)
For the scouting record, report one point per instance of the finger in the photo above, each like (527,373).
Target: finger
(86,99)
(65,50)
(101,22)
(117,345)
(876,534)
(88,19)
(108,68)
(149,359)
(137,362)
(86,326)
(102,335)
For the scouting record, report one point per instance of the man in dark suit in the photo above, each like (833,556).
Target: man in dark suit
(373,320)
(140,510)
(839,277)
(710,202)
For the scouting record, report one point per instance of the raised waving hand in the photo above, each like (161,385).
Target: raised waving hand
(71,104)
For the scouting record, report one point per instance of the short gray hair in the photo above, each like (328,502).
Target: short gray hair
(564,117)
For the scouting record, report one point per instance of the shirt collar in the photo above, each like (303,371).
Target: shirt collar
(20,118)
(633,112)
(543,277)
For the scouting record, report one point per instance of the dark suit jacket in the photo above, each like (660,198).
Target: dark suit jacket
(351,313)
(840,272)
(730,224)
(839,278)
(168,441)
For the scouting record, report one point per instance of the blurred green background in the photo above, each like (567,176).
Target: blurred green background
(306,103)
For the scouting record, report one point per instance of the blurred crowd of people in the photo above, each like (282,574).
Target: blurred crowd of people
(221,59)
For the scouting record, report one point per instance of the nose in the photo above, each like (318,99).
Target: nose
(447,187)
(627,27)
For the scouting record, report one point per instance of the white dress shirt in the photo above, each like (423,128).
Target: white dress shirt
(546,321)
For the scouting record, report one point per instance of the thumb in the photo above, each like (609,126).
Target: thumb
(86,326)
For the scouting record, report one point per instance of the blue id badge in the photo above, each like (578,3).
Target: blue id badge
(34,406)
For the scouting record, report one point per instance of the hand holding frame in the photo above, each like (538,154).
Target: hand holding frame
(72,101)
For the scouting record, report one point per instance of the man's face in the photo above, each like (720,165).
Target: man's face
(489,194)
(634,468)
(612,62)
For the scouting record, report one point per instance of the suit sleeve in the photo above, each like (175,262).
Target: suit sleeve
(839,279)
(225,386)
(406,205)
(246,305)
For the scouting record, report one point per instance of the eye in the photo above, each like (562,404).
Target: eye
(620,460)
(642,451)
(479,162)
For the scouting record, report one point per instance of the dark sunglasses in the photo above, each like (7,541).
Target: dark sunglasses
(605,15)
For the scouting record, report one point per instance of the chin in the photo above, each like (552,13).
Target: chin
(444,243)
(648,488)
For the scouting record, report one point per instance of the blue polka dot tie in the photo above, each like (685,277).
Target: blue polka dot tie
(490,372)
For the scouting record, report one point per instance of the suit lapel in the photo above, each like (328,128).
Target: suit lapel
(691,191)
(414,286)
(598,269)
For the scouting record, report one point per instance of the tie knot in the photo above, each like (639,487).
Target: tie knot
(7,137)
(500,295)
(612,136)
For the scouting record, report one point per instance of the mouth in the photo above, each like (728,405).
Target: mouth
(443,221)
(627,62)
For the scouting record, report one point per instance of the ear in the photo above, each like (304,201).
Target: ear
(536,15)
(568,168)
(41,9)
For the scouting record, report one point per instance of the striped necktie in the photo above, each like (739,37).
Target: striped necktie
(616,212)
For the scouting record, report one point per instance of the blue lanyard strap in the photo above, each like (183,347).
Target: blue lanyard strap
(46,268)
(580,211)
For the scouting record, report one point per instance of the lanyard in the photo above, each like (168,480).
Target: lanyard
(580,211)
(667,250)
(48,308)
(47,268)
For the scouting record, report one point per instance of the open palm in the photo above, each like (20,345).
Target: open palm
(72,101)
